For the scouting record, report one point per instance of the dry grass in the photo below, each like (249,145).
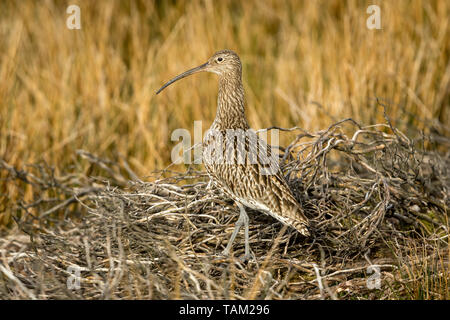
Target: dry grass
(372,198)
(306,64)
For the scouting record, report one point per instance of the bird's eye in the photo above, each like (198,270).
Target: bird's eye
(219,59)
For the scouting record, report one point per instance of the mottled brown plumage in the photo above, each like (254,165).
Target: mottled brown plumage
(237,160)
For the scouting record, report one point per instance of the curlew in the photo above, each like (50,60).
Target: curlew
(237,160)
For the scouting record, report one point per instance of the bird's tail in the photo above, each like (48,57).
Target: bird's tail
(301,226)
(292,214)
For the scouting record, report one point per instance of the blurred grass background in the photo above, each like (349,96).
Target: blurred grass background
(305,63)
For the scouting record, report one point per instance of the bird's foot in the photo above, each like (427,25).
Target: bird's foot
(245,258)
(226,253)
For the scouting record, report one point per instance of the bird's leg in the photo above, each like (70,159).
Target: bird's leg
(247,255)
(233,236)
(243,220)
(209,185)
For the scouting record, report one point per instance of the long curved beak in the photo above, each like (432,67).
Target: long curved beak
(183,75)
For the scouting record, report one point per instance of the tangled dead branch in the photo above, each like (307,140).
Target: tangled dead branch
(367,191)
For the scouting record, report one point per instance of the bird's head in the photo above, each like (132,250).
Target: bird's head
(223,63)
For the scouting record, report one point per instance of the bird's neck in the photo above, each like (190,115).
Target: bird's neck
(230,103)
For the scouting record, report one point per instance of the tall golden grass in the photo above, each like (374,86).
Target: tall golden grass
(305,63)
